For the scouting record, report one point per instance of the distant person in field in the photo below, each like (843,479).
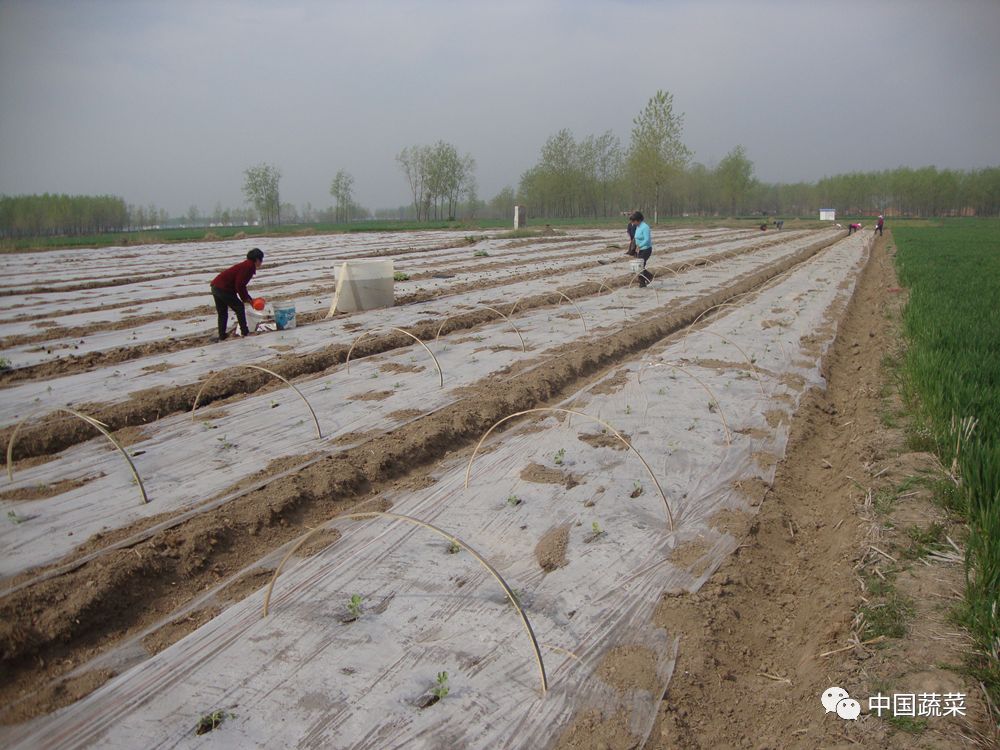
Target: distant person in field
(644,245)
(229,290)
(852,228)
(630,228)
(879,224)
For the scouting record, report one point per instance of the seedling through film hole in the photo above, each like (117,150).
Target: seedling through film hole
(560,410)
(354,605)
(212,721)
(560,455)
(440,532)
(441,689)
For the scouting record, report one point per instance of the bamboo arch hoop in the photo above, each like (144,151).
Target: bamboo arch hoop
(719,306)
(511,323)
(441,532)
(565,297)
(406,333)
(656,292)
(626,443)
(319,432)
(445,320)
(746,356)
(493,309)
(672,271)
(699,381)
(604,285)
(103,428)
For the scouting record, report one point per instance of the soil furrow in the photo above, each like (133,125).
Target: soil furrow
(113,356)
(54,433)
(71,617)
(122,354)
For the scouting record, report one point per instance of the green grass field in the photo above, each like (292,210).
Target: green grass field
(952,376)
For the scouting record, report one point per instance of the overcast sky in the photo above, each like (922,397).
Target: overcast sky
(169,101)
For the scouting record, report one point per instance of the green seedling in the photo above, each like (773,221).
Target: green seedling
(481,254)
(212,721)
(441,689)
(14,518)
(275,404)
(373,376)
(397,385)
(5,364)
(628,409)
(661,392)
(354,605)
(596,528)
(224,440)
(560,455)
(636,488)
(454,548)
(400,276)
(712,406)
(513,501)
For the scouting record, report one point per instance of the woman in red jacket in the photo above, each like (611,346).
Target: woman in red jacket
(229,289)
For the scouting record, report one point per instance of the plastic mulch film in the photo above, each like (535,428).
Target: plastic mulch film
(573,522)
(190,364)
(174,303)
(184,463)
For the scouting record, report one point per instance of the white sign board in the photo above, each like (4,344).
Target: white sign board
(828,214)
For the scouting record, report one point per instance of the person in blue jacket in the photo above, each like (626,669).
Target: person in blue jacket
(644,245)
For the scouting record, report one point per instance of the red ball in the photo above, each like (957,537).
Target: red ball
(258,304)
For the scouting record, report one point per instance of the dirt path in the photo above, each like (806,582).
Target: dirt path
(751,666)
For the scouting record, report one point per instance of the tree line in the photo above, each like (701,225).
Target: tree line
(438,177)
(599,176)
(59,214)
(596,176)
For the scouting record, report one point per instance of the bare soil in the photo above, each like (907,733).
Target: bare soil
(766,636)
(551,549)
(81,609)
(759,643)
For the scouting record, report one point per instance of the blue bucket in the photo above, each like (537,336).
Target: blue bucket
(284,316)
